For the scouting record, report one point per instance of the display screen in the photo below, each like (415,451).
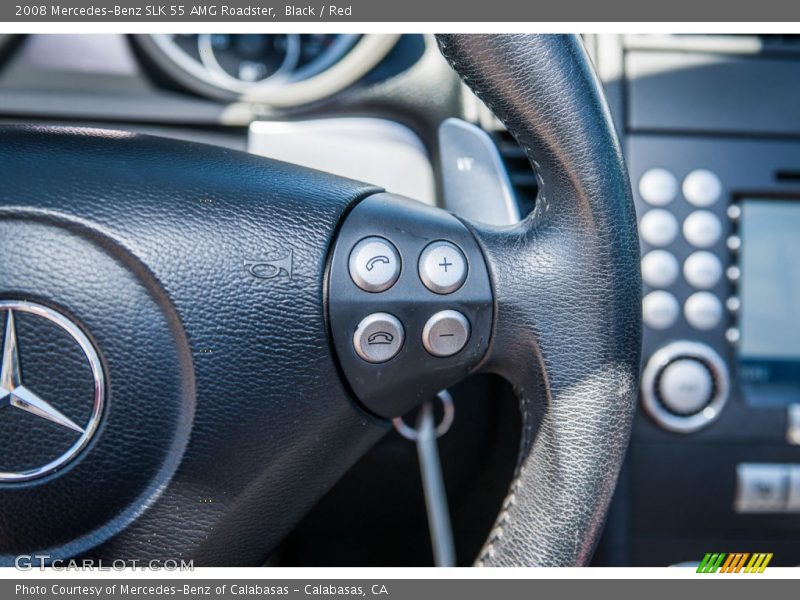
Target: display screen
(769,345)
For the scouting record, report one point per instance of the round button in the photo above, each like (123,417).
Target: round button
(734,243)
(659,268)
(658,187)
(374,264)
(702,188)
(702,270)
(703,310)
(445,333)
(378,337)
(442,267)
(660,310)
(658,227)
(702,228)
(685,386)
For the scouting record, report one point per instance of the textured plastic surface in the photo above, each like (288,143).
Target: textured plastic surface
(675,91)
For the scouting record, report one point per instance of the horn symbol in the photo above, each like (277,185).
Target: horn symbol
(270,269)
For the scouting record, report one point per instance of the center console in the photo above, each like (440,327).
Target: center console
(714,156)
(720,233)
(710,129)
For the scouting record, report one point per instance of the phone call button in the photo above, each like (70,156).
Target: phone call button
(374,264)
(378,337)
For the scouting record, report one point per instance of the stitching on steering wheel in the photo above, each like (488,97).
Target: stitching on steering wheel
(499,528)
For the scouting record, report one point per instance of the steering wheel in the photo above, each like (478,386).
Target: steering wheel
(181,369)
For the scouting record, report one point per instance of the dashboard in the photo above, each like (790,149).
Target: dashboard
(207,79)
(711,134)
(361,106)
(714,156)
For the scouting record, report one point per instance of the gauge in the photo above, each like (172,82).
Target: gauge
(315,45)
(318,51)
(239,61)
(268,68)
(242,61)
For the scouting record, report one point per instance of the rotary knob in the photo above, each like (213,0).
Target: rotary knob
(685,386)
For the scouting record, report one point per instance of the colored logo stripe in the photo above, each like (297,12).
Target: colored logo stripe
(711,562)
(734,562)
(758,563)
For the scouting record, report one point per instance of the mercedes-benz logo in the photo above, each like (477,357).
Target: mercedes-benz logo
(16,395)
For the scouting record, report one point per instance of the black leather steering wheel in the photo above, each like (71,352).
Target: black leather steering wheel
(202,277)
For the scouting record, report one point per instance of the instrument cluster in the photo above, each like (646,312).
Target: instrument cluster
(242,61)
(279,69)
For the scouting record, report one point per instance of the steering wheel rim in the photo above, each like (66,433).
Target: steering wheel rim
(178,224)
(579,255)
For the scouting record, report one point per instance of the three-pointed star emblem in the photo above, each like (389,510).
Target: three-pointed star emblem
(13,392)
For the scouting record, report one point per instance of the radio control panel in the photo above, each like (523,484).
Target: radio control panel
(719,271)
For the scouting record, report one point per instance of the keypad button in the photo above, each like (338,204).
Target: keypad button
(442,267)
(702,188)
(761,488)
(702,270)
(660,310)
(659,269)
(685,386)
(734,243)
(703,310)
(658,227)
(374,264)
(445,333)
(658,187)
(378,337)
(702,229)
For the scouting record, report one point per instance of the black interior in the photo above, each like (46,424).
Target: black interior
(680,103)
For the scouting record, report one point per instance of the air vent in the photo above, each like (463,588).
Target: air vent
(520,172)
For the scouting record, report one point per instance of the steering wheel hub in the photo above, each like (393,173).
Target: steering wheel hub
(96,390)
